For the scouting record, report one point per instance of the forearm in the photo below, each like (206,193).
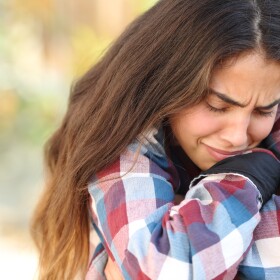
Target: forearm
(263,258)
(187,233)
(147,235)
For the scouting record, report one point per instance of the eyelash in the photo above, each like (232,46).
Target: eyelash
(216,110)
(266,114)
(223,110)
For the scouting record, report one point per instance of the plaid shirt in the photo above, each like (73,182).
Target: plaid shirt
(217,232)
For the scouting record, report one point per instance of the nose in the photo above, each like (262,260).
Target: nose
(236,132)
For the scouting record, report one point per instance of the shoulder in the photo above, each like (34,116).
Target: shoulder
(145,156)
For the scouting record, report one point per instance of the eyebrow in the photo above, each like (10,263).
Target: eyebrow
(229,100)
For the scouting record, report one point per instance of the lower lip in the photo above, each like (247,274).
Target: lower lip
(216,155)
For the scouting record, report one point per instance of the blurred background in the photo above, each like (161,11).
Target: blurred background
(44,46)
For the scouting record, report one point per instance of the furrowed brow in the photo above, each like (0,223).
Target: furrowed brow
(227,99)
(270,106)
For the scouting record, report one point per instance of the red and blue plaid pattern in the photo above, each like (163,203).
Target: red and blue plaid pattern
(217,232)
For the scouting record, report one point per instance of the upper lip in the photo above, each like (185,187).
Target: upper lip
(229,153)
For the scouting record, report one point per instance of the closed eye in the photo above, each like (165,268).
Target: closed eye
(265,113)
(215,109)
(260,113)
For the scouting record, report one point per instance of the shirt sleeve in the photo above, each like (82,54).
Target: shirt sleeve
(263,258)
(206,236)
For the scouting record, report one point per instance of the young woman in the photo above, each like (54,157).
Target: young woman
(169,150)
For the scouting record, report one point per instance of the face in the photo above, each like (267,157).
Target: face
(238,113)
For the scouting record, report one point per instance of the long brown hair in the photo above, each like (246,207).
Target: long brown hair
(159,65)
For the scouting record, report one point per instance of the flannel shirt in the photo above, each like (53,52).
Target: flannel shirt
(219,231)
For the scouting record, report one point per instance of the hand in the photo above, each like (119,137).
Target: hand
(112,271)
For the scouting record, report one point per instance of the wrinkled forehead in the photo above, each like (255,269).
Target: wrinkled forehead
(249,78)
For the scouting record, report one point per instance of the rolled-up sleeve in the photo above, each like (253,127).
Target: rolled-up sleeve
(206,236)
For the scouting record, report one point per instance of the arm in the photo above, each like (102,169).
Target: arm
(144,230)
(112,271)
(263,259)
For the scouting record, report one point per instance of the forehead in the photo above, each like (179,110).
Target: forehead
(247,76)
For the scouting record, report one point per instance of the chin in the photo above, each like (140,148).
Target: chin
(205,165)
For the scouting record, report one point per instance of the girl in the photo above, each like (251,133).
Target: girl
(157,151)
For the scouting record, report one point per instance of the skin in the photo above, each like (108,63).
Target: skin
(238,113)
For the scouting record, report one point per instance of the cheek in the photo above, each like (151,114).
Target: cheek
(195,123)
(205,123)
(261,128)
